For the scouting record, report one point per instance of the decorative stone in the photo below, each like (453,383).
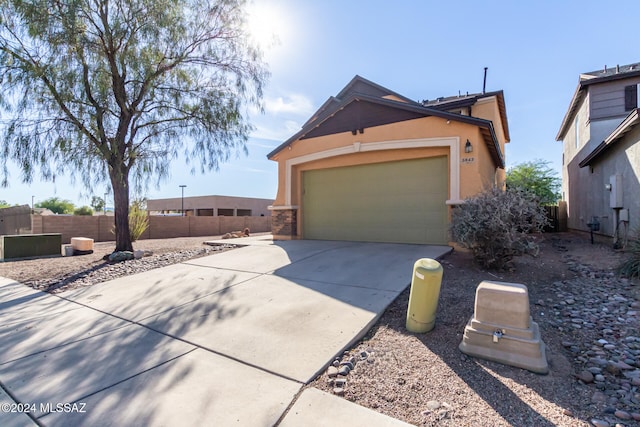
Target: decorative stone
(120,256)
(347,364)
(338,391)
(332,371)
(343,370)
(623,415)
(432,405)
(585,376)
(340,382)
(600,423)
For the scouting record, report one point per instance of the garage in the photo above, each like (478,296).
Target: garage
(398,202)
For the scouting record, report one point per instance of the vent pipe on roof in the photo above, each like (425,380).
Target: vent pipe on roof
(605,68)
(617,68)
(484,84)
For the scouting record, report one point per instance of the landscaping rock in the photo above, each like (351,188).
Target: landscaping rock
(121,256)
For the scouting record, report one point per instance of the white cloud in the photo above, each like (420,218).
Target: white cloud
(289,104)
(276,130)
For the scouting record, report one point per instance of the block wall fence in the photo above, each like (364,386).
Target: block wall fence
(99,227)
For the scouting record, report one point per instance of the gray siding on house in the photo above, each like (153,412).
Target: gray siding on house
(607,99)
(589,197)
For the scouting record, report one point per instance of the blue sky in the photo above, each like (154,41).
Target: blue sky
(421,49)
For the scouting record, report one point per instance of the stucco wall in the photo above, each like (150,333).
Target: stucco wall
(589,194)
(475,175)
(572,154)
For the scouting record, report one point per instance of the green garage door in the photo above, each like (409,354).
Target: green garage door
(401,202)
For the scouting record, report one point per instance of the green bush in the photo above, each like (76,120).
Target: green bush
(498,225)
(631,266)
(138,221)
(84,210)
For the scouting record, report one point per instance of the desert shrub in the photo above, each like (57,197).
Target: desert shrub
(138,221)
(498,225)
(631,266)
(84,210)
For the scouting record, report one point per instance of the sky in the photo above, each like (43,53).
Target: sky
(421,49)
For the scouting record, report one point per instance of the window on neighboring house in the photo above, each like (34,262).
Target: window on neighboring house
(575,125)
(631,94)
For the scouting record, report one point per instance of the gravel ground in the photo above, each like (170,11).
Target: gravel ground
(588,319)
(60,274)
(576,299)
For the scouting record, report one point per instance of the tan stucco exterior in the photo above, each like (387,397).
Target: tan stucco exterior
(424,137)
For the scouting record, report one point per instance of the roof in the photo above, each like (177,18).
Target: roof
(462,101)
(632,120)
(363,104)
(590,78)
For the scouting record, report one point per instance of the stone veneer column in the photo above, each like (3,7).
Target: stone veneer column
(284,222)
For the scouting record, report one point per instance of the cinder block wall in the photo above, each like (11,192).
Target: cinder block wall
(99,228)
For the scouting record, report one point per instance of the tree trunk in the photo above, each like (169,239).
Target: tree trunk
(120,184)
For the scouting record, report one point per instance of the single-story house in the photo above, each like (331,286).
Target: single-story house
(374,165)
(211,206)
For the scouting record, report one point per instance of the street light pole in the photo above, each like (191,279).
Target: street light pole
(32,210)
(104,208)
(182,187)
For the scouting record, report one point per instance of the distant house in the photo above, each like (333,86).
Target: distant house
(373,165)
(210,206)
(601,151)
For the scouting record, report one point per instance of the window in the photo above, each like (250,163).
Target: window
(631,94)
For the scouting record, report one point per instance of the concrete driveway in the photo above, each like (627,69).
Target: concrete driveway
(228,339)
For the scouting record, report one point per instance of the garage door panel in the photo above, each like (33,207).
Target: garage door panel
(385,202)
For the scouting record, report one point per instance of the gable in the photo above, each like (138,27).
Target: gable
(359,115)
(354,111)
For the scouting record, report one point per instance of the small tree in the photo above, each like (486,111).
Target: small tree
(537,177)
(56,205)
(116,89)
(4,204)
(497,225)
(84,210)
(97,203)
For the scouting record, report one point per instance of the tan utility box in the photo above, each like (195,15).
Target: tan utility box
(502,330)
(82,244)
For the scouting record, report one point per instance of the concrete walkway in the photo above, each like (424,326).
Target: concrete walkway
(228,339)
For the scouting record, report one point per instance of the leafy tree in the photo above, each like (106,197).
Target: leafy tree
(538,177)
(56,205)
(97,203)
(84,210)
(4,204)
(117,89)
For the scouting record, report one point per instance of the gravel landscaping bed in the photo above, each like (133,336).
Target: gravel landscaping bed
(588,318)
(60,274)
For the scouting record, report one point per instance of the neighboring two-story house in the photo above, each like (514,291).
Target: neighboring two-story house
(601,152)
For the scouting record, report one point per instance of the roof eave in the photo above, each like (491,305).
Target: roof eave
(576,99)
(625,126)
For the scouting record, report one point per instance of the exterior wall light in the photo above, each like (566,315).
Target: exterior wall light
(468,148)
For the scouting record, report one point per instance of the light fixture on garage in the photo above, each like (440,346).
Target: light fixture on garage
(468,148)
